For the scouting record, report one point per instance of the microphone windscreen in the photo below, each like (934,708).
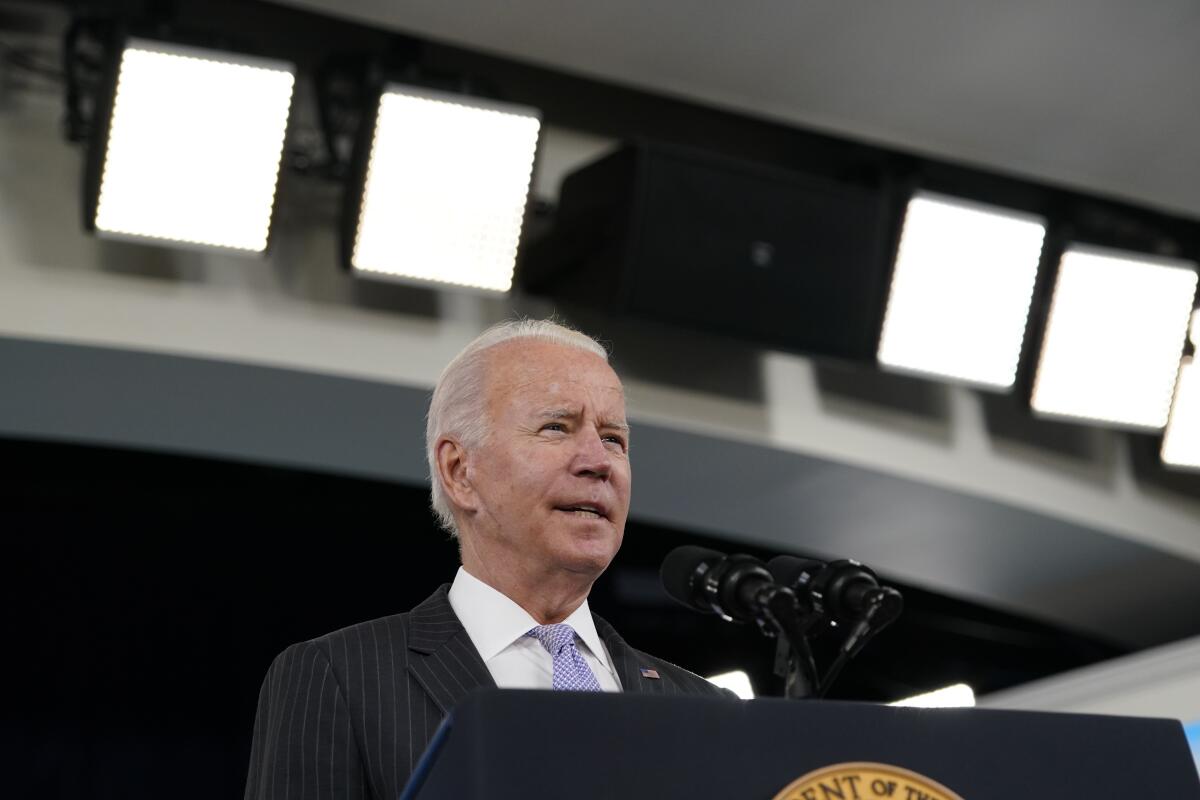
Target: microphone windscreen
(786,570)
(679,570)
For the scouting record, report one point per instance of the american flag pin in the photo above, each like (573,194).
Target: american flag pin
(649,673)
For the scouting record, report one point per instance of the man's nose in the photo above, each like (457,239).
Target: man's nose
(592,459)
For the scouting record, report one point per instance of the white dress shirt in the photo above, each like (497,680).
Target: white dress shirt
(497,628)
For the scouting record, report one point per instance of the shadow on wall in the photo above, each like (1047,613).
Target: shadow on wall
(920,407)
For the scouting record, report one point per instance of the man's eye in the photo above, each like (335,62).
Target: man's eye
(554,426)
(617,440)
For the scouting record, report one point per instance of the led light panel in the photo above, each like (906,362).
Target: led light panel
(737,682)
(1181,442)
(194,146)
(445,190)
(959,695)
(960,292)
(1113,338)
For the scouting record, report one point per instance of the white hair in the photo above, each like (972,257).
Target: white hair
(459,404)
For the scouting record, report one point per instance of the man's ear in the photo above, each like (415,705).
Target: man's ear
(452,461)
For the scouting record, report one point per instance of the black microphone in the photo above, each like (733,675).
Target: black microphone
(844,590)
(735,587)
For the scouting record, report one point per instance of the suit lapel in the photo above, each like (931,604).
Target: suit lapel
(629,663)
(442,658)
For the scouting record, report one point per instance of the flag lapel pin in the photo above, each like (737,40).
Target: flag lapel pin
(650,673)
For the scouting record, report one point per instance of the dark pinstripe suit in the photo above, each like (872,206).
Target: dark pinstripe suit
(348,714)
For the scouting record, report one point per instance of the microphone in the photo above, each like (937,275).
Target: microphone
(736,587)
(845,590)
(786,598)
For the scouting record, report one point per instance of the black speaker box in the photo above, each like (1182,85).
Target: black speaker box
(784,260)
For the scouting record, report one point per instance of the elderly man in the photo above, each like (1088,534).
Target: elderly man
(528,452)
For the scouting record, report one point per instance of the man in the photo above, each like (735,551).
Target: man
(528,451)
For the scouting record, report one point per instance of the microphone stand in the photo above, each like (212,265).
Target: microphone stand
(788,619)
(883,606)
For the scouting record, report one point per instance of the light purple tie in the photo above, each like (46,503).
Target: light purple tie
(571,672)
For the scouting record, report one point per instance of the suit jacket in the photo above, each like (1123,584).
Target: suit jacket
(348,715)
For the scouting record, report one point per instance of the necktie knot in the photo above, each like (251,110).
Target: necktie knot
(571,671)
(554,637)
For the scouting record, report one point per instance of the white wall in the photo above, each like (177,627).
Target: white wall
(1163,682)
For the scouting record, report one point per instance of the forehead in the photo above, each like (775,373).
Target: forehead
(531,371)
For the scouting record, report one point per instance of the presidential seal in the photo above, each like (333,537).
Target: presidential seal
(864,780)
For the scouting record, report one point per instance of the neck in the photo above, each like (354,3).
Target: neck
(548,598)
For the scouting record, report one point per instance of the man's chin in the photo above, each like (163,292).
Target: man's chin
(590,558)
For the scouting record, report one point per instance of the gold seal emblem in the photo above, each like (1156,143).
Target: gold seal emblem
(864,780)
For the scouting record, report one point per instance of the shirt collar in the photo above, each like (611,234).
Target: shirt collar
(493,621)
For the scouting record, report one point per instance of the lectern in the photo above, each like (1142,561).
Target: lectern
(528,745)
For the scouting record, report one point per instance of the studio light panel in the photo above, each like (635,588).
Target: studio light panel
(194,146)
(961,289)
(736,681)
(1181,442)
(444,195)
(959,695)
(1114,337)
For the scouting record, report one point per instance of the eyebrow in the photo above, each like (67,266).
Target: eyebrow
(567,413)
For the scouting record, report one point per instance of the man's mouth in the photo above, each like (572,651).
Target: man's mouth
(584,510)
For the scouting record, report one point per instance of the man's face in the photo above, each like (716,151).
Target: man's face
(552,480)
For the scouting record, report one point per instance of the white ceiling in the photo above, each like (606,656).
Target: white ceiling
(1101,95)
